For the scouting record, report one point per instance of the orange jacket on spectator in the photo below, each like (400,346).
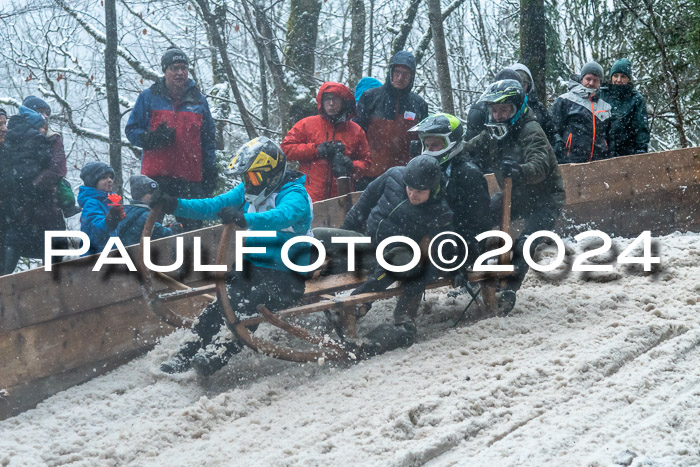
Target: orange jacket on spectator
(301,143)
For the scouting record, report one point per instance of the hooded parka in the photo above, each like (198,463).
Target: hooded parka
(386,114)
(301,143)
(629,129)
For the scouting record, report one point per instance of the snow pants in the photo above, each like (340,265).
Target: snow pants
(246,290)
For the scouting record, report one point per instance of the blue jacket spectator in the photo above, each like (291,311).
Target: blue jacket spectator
(98,220)
(172,122)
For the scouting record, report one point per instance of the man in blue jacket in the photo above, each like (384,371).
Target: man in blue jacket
(172,122)
(269,198)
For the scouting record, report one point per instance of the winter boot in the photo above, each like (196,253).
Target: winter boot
(407,308)
(182,361)
(210,361)
(506,301)
(387,337)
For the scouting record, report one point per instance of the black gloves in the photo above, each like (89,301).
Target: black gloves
(334,152)
(341,165)
(327,149)
(230,215)
(164,201)
(209,178)
(511,169)
(114,215)
(161,137)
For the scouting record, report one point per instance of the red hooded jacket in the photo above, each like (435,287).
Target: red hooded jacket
(301,144)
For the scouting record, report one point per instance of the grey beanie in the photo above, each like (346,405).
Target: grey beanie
(94,171)
(591,68)
(173,55)
(141,185)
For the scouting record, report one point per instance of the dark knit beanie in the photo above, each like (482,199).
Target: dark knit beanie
(37,105)
(422,173)
(2,112)
(173,55)
(141,185)
(623,66)
(591,68)
(94,171)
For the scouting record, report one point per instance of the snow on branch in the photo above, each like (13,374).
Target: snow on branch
(145,72)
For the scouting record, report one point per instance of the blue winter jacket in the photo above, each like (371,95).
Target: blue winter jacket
(287,211)
(92,219)
(130,228)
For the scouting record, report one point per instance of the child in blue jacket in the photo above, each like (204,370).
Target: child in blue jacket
(98,219)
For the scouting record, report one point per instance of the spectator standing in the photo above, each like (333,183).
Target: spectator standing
(29,178)
(172,122)
(98,219)
(328,145)
(533,102)
(387,113)
(629,130)
(581,119)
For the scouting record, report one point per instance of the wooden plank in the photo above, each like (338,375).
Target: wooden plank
(37,296)
(70,342)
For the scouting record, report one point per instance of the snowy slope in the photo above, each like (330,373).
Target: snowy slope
(601,370)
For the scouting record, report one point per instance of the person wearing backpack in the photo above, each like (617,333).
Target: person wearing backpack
(29,181)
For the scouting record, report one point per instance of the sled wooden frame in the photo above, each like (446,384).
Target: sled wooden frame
(319,298)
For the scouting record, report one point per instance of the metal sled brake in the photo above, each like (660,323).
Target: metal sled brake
(317,298)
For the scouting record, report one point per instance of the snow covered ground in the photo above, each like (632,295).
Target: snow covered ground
(595,370)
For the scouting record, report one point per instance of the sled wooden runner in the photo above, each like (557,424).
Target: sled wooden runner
(62,328)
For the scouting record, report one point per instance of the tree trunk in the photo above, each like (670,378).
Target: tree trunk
(428,36)
(443,66)
(371,38)
(533,46)
(114,115)
(356,51)
(210,19)
(302,32)
(406,26)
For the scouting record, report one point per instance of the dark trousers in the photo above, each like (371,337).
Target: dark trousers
(537,217)
(247,289)
(181,188)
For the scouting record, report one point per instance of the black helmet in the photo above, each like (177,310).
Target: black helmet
(446,126)
(261,164)
(506,91)
(422,173)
